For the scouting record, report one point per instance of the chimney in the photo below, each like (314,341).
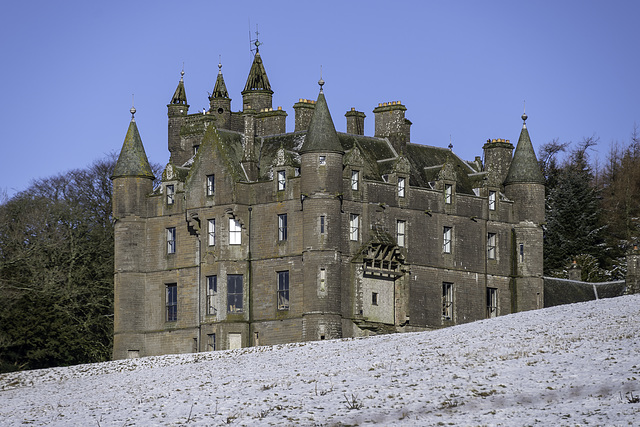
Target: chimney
(304,109)
(355,122)
(575,272)
(390,123)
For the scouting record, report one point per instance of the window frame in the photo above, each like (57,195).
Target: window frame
(492,200)
(283,299)
(210,185)
(323,225)
(492,247)
(171,194)
(354,227)
(282,180)
(447,240)
(322,160)
(401,186)
(448,194)
(212,294)
(235,293)
(211,232)
(211,342)
(447,301)
(171,302)
(355,180)
(374,298)
(492,303)
(171,240)
(401,230)
(235,232)
(282,227)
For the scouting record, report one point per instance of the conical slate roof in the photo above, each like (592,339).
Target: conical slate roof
(524,166)
(132,160)
(322,135)
(180,95)
(220,89)
(257,79)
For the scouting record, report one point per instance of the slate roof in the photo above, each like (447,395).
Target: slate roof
(133,159)
(180,95)
(220,89)
(524,166)
(322,135)
(257,79)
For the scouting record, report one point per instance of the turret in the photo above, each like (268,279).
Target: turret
(257,93)
(219,102)
(321,187)
(177,111)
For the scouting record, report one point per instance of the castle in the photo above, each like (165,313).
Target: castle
(256,236)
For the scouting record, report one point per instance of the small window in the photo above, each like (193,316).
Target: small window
(212,294)
(354,227)
(211,342)
(401,187)
(282,181)
(521,251)
(355,178)
(171,194)
(322,223)
(283,290)
(195,149)
(447,301)
(171,302)
(374,298)
(385,178)
(171,240)
(234,293)
(211,185)
(448,193)
(492,302)
(282,227)
(212,232)
(235,232)
(323,280)
(446,244)
(296,172)
(401,226)
(491,245)
(492,200)
(322,160)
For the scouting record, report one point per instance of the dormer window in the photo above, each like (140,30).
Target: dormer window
(171,194)
(492,200)
(211,187)
(355,178)
(282,182)
(322,160)
(401,183)
(448,193)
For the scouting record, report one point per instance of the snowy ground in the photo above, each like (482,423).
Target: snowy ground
(568,365)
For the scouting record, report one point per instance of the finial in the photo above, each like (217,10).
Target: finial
(321,82)
(182,73)
(219,64)
(132,110)
(450,146)
(524,114)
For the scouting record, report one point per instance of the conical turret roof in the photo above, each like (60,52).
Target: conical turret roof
(132,160)
(257,79)
(220,89)
(322,135)
(524,165)
(180,95)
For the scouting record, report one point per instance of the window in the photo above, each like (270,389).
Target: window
(322,224)
(170,194)
(211,185)
(401,233)
(355,177)
(296,172)
(235,340)
(385,178)
(492,302)
(521,250)
(235,232)
(195,149)
(234,293)
(282,181)
(171,302)
(374,298)
(212,294)
(446,244)
(447,301)
(491,245)
(400,187)
(448,193)
(354,227)
(212,232)
(492,200)
(323,280)
(322,160)
(283,290)
(171,240)
(282,227)
(211,342)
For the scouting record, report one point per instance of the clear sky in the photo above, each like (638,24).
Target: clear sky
(462,69)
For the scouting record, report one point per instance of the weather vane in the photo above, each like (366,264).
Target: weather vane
(254,45)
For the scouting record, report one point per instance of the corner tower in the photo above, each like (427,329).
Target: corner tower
(177,111)
(321,189)
(257,93)
(219,101)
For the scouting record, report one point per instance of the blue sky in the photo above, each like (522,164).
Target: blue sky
(462,69)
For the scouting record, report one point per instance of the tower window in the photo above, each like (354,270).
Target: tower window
(401,226)
(446,243)
(283,290)
(171,302)
(322,160)
(355,178)
(212,294)
(448,193)
(171,194)
(323,280)
(322,222)
(282,227)
(234,293)
(521,251)
(171,240)
(235,232)
(447,301)
(374,298)
(492,200)
(211,233)
(401,183)
(195,149)
(281,180)
(220,110)
(354,226)
(491,245)
(210,185)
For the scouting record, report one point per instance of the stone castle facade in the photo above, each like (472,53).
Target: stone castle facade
(256,236)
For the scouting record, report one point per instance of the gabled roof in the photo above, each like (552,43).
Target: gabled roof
(257,79)
(524,166)
(132,160)
(322,135)
(180,95)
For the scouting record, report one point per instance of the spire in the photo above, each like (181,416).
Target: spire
(180,95)
(524,165)
(132,160)
(322,135)
(220,89)
(257,80)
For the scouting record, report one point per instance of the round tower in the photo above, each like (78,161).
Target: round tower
(321,188)
(219,102)
(177,111)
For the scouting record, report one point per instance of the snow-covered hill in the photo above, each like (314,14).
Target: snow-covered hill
(567,365)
